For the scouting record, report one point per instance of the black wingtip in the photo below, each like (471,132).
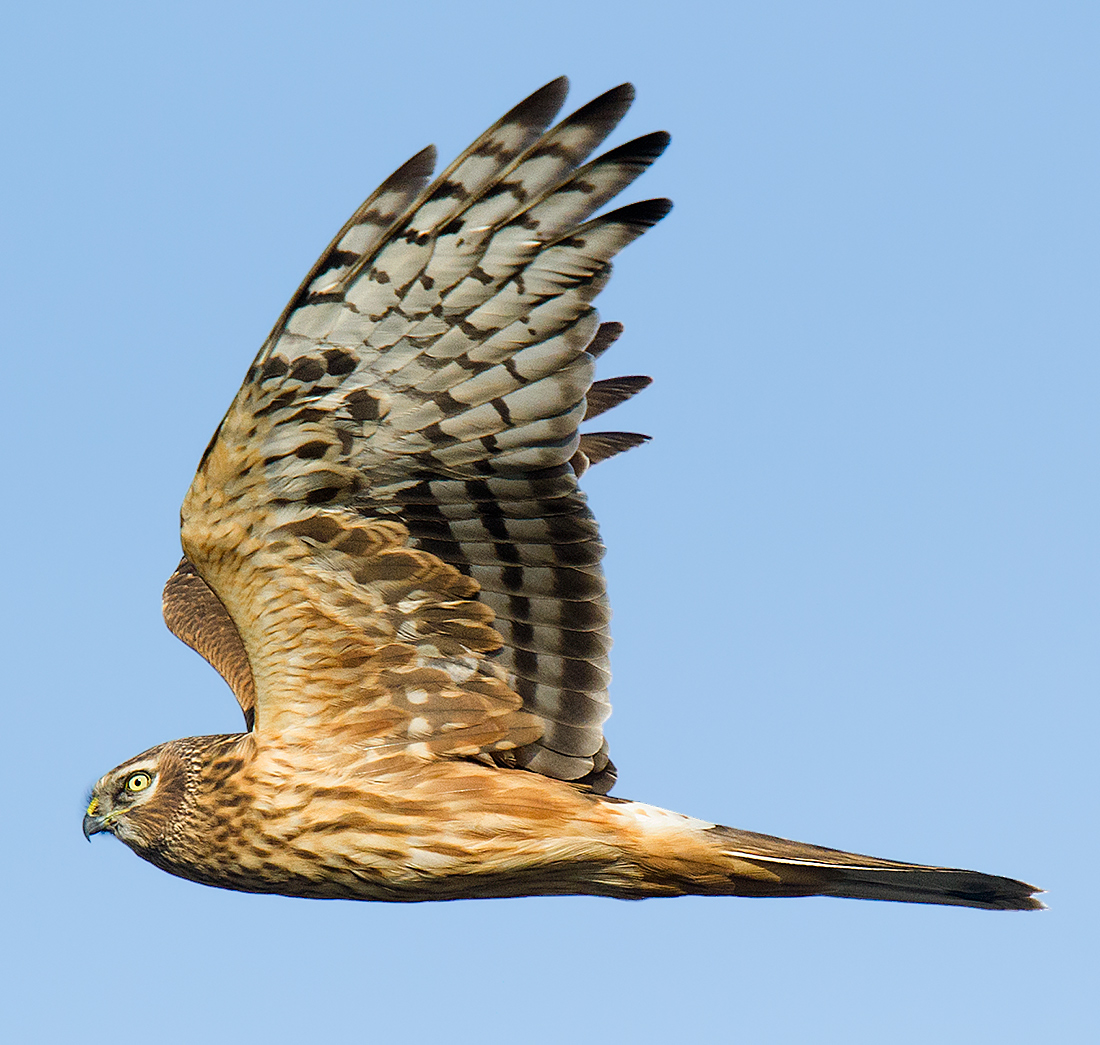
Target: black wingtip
(607,109)
(623,94)
(644,213)
(606,336)
(645,149)
(540,106)
(422,165)
(599,446)
(416,171)
(607,394)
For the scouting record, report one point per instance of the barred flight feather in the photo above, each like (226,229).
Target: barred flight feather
(432,373)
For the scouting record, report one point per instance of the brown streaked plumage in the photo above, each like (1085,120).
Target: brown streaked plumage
(387,557)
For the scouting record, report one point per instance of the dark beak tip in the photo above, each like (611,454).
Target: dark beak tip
(91,826)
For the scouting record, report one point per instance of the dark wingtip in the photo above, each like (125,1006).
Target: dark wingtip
(599,446)
(607,109)
(623,93)
(541,105)
(422,165)
(415,171)
(645,149)
(607,394)
(645,213)
(606,336)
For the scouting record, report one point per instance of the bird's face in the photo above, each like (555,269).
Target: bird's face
(136,799)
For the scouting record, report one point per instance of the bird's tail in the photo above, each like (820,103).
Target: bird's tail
(677,854)
(762,865)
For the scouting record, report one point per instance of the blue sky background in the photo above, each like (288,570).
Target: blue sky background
(855,574)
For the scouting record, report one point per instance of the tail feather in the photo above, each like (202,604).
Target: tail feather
(762,865)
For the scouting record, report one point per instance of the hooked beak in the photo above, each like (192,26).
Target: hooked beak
(93,824)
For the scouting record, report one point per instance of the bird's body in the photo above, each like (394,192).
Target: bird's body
(291,817)
(310,822)
(388,559)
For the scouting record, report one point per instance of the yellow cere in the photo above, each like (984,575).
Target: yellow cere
(93,805)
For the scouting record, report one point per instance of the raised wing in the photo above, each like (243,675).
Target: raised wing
(389,513)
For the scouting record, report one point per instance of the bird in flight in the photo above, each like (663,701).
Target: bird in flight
(389,560)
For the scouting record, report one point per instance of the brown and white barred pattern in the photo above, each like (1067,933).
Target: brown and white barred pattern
(428,380)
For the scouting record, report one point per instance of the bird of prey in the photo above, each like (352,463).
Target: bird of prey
(388,559)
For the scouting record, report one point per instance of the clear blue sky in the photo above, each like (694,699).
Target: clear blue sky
(855,574)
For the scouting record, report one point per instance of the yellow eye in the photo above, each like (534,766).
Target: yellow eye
(138,781)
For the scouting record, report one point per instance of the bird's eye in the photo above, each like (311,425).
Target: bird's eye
(138,781)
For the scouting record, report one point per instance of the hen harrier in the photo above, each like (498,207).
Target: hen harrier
(389,561)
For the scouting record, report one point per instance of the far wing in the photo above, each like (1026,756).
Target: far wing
(195,615)
(389,511)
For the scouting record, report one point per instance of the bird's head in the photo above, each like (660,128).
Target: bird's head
(136,801)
